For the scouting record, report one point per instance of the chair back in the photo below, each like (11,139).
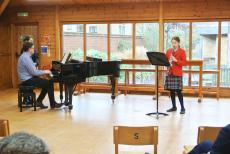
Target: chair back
(207,133)
(4,128)
(135,136)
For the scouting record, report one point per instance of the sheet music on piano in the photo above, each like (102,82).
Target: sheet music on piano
(66,58)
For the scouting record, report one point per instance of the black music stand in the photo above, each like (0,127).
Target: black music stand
(157,59)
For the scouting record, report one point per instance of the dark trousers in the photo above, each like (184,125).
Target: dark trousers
(45,85)
(180,96)
(202,148)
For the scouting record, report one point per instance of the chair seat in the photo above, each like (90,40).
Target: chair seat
(26,97)
(188,148)
(23,88)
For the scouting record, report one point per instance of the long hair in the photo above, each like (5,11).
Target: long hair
(26,46)
(176,38)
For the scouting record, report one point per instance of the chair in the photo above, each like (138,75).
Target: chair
(4,128)
(135,136)
(204,133)
(26,97)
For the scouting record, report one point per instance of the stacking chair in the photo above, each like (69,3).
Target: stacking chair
(135,136)
(4,128)
(204,133)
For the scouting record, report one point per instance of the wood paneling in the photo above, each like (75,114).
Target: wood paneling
(5,65)
(79,2)
(46,18)
(109,12)
(197,10)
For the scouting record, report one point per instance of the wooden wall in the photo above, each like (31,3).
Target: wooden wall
(49,18)
(190,10)
(110,12)
(45,18)
(203,10)
(5,64)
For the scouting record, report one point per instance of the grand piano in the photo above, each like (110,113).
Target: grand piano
(72,72)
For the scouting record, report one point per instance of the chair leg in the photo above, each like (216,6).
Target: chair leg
(34,101)
(20,95)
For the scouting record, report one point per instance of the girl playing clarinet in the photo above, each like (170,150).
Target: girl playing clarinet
(173,82)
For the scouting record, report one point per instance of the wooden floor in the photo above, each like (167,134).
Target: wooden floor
(88,129)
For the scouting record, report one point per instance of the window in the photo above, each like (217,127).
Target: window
(122,29)
(97,46)
(93,29)
(69,28)
(73,41)
(180,29)
(121,45)
(177,29)
(80,28)
(147,39)
(225,55)
(205,47)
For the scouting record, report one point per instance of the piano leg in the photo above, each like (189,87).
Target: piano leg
(66,103)
(61,91)
(70,90)
(112,78)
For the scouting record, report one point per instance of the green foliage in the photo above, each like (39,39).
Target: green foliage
(97,54)
(150,33)
(124,45)
(77,54)
(177,29)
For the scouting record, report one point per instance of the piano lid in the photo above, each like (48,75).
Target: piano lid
(93,59)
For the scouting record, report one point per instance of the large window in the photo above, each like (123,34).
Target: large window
(121,44)
(96,41)
(73,40)
(205,47)
(177,29)
(180,29)
(121,41)
(147,39)
(225,54)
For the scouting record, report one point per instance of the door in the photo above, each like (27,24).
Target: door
(5,73)
(19,31)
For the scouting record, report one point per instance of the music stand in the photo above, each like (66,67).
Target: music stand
(157,59)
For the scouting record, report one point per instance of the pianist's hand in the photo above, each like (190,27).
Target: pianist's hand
(47,72)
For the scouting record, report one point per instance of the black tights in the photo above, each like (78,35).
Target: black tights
(173,98)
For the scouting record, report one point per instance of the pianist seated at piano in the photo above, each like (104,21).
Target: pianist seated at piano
(29,76)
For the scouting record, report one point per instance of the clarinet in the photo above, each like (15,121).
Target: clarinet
(171,60)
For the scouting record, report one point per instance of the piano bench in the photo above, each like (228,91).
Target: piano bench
(26,97)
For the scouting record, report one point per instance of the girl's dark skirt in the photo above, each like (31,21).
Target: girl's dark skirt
(173,83)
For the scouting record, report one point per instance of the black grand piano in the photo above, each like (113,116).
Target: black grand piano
(71,72)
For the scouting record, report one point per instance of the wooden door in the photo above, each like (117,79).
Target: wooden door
(19,31)
(5,64)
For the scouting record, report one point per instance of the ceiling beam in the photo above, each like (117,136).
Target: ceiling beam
(3,6)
